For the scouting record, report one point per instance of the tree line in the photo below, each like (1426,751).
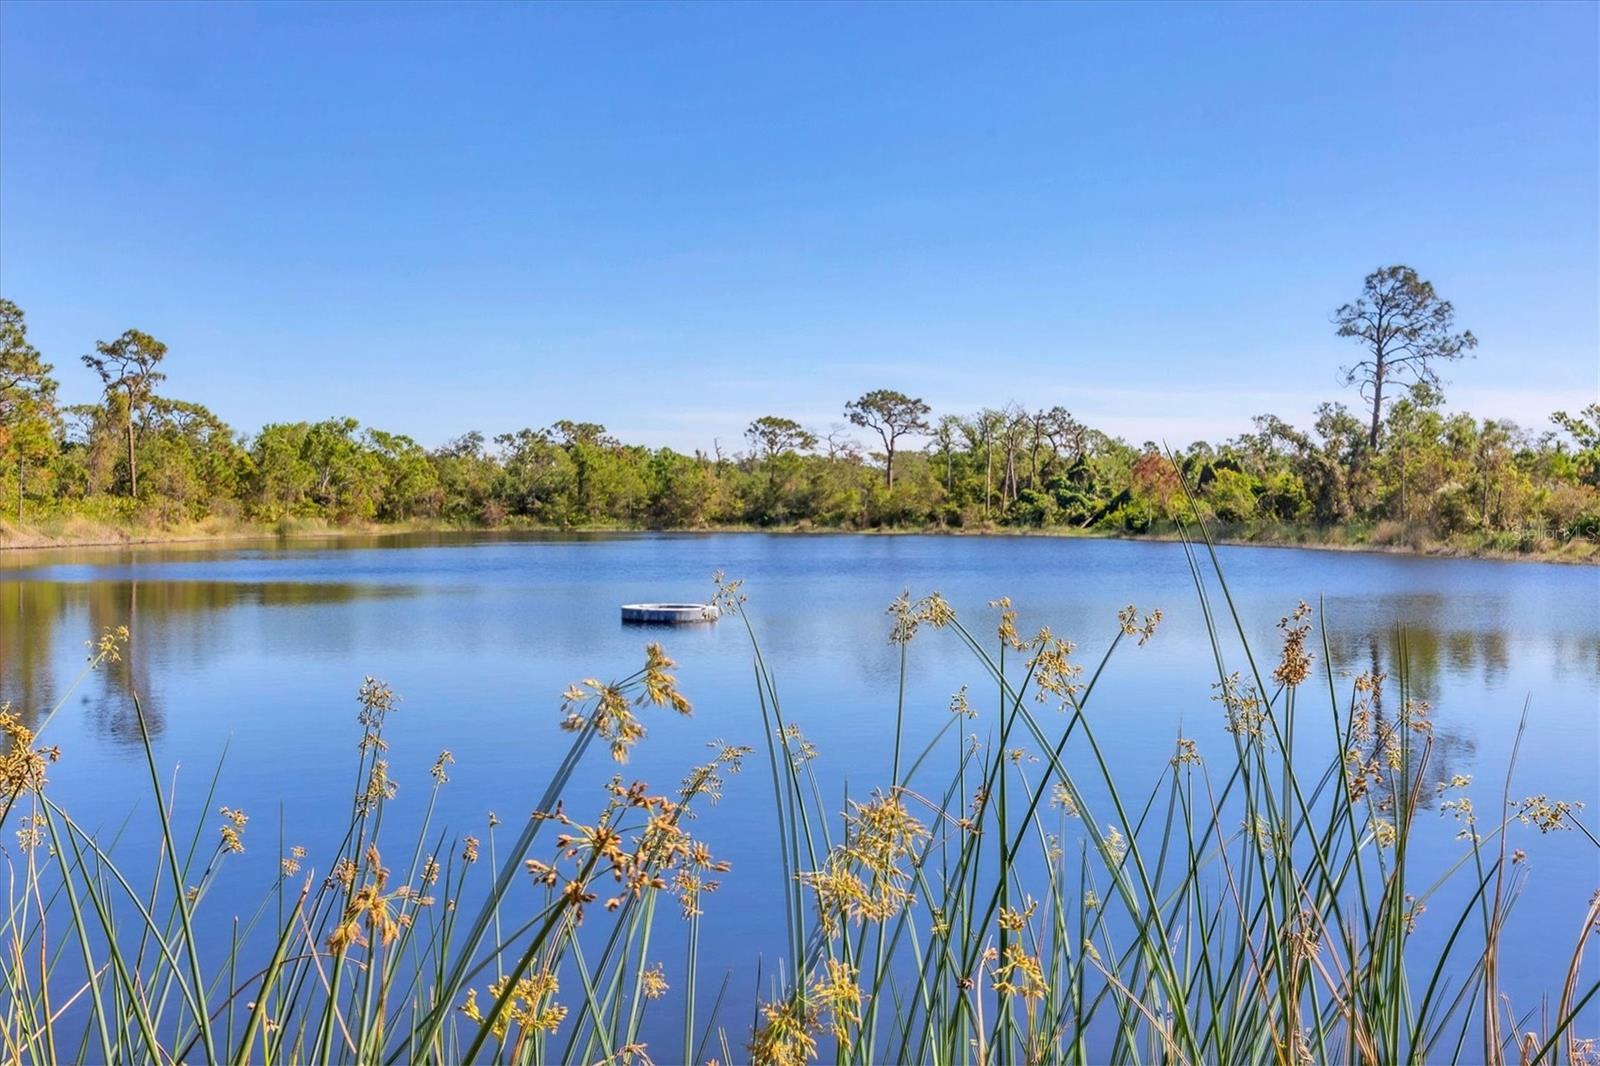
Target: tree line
(1393,457)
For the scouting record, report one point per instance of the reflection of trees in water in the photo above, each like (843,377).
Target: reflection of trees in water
(112,604)
(1576,655)
(43,647)
(29,611)
(1432,649)
(44,626)
(1426,650)
(1396,656)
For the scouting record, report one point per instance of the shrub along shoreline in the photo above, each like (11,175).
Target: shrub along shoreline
(1400,467)
(1381,538)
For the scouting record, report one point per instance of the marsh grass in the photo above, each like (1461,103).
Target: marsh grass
(1003,894)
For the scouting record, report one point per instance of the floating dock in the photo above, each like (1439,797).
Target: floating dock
(669,614)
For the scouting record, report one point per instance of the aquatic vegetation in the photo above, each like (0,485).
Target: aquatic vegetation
(1003,894)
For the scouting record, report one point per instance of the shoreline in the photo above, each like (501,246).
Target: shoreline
(105,536)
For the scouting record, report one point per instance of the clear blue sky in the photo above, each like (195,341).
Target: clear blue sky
(674,219)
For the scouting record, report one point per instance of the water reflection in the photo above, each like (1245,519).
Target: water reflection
(45,626)
(1429,647)
(1424,641)
(38,562)
(256,648)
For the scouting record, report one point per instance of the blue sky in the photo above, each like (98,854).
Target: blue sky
(674,219)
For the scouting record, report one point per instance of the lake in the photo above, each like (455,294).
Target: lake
(252,653)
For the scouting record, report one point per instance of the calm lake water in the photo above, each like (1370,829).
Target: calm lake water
(255,653)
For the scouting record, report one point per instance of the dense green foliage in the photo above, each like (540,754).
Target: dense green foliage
(1399,468)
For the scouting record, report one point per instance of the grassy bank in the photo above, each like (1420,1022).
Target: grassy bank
(77,531)
(1005,891)
(73,531)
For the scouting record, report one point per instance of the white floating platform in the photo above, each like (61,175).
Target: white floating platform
(671,614)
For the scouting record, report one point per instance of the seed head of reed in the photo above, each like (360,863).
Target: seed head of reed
(107,648)
(935,610)
(1061,796)
(1260,831)
(531,1007)
(1368,689)
(30,832)
(1414,716)
(1128,618)
(1294,664)
(691,886)
(653,981)
(1461,809)
(1006,628)
(1548,815)
(343,873)
(1388,745)
(795,745)
(1015,920)
(1018,973)
(1242,705)
(972,821)
(377,700)
(1361,776)
(606,708)
(370,906)
(1116,845)
(880,833)
(1305,935)
(379,787)
(728,597)
(1053,673)
(842,893)
(661,687)
(437,772)
(232,829)
(706,779)
(839,997)
(904,626)
(863,878)
(785,1036)
(659,853)
(22,765)
(908,615)
(1412,912)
